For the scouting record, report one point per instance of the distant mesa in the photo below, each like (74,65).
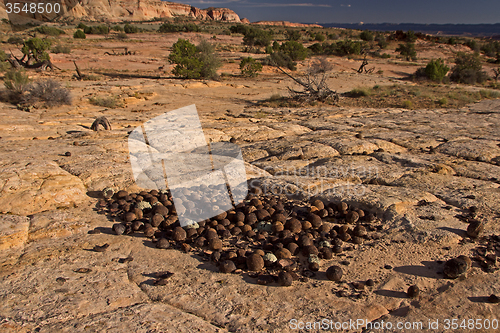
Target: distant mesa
(287,24)
(131,10)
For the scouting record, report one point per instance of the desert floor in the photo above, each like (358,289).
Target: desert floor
(420,171)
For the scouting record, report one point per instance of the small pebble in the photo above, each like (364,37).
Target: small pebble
(101,248)
(413,291)
(179,234)
(456,267)
(227,266)
(334,273)
(475,228)
(285,279)
(162,243)
(388,267)
(68,153)
(119,228)
(358,285)
(370,283)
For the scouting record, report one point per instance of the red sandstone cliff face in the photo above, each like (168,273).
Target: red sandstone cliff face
(133,10)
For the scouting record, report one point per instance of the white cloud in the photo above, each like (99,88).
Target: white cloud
(345,5)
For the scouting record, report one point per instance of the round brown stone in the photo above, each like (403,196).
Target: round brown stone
(255,262)
(215,244)
(285,279)
(283,253)
(334,273)
(227,266)
(179,234)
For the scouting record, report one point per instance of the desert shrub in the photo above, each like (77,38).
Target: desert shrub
(169,27)
(407,51)
(130,29)
(257,37)
(117,28)
(347,47)
(409,36)
(50,31)
(111,102)
(79,34)
(36,48)
(121,35)
(407,104)
(319,37)
(280,59)
(295,50)
(4,65)
(194,62)
(250,67)
(491,49)
(61,49)
(16,82)
(316,48)
(381,41)
(81,26)
(473,45)
(239,29)
(443,101)
(468,69)
(358,92)
(15,40)
(210,60)
(97,29)
(435,70)
(49,92)
(333,36)
(293,35)
(366,35)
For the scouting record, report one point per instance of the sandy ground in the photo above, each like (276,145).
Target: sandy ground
(432,166)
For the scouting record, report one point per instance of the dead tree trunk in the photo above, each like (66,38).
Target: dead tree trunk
(79,75)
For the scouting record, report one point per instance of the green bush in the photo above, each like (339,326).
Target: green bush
(366,35)
(347,47)
(239,29)
(250,67)
(257,37)
(50,31)
(97,29)
(280,59)
(15,40)
(491,49)
(194,62)
(293,35)
(169,27)
(79,34)
(295,50)
(117,28)
(319,37)
(4,64)
(121,35)
(381,41)
(16,81)
(407,51)
(81,26)
(333,36)
(468,69)
(473,45)
(130,29)
(435,70)
(111,102)
(36,48)
(407,104)
(61,49)
(358,92)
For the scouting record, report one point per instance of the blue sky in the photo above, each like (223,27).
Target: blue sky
(368,11)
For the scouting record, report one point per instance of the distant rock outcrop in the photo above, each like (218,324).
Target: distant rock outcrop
(133,10)
(287,24)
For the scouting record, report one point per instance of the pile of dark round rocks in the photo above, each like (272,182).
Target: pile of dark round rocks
(273,238)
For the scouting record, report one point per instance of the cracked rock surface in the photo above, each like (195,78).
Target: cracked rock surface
(420,171)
